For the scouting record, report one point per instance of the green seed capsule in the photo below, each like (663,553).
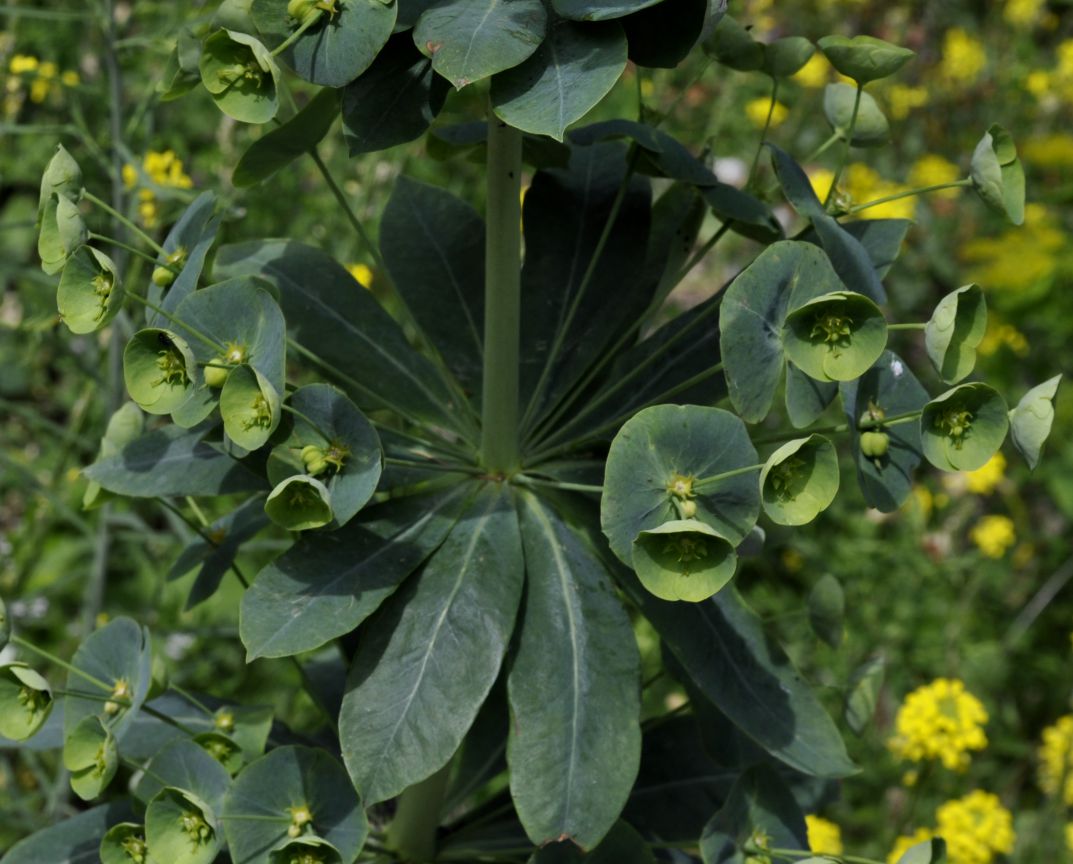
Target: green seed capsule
(875,445)
(216,375)
(163,277)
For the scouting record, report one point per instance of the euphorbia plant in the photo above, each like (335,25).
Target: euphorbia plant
(479,508)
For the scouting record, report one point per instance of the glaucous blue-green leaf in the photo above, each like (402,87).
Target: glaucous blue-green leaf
(683,559)
(575,742)
(181,828)
(70,841)
(662,35)
(250,407)
(91,755)
(159,369)
(427,662)
(599,10)
(864,58)
(221,749)
(241,76)
(806,398)
(115,663)
(327,584)
(299,503)
(89,294)
(622,845)
(954,331)
(926,852)
(871,129)
(62,176)
(181,73)
(799,480)
(183,764)
(333,441)
(62,232)
(124,426)
(862,694)
(433,246)
(292,786)
(826,609)
(997,174)
(278,147)
(732,45)
(849,258)
(1030,421)
(572,70)
(890,387)
(759,805)
(785,56)
(785,275)
(172,461)
(247,725)
(668,455)
(469,40)
(185,247)
(722,646)
(337,47)
(25,701)
(881,238)
(123,844)
(964,427)
(409,12)
(341,323)
(393,101)
(836,336)
(309,848)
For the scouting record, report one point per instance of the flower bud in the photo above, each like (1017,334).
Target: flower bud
(875,445)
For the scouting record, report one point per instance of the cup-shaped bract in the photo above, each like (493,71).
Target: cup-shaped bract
(89,294)
(956,328)
(1030,421)
(241,76)
(871,129)
(180,828)
(250,407)
(964,427)
(684,559)
(733,46)
(799,480)
(309,848)
(864,58)
(222,749)
(299,503)
(62,231)
(785,57)
(62,176)
(124,843)
(836,336)
(159,370)
(91,755)
(997,174)
(25,701)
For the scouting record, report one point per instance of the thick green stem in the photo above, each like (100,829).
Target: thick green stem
(412,832)
(502,299)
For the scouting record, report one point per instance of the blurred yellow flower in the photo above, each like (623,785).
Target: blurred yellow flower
(22,63)
(815,73)
(1056,759)
(1049,151)
(901,99)
(924,500)
(907,841)
(983,480)
(42,84)
(362,273)
(1002,335)
(821,180)
(70,78)
(993,535)
(864,184)
(1038,83)
(1022,13)
(975,828)
(1019,258)
(757,110)
(934,170)
(824,836)
(163,168)
(940,721)
(1069,837)
(963,58)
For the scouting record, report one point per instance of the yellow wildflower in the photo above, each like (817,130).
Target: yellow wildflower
(984,479)
(757,110)
(70,78)
(362,273)
(42,84)
(901,99)
(993,535)
(821,180)
(1038,83)
(815,73)
(1020,258)
(824,836)
(923,500)
(1056,759)
(906,842)
(940,721)
(933,170)
(163,168)
(963,58)
(975,828)
(862,184)
(1022,13)
(1002,335)
(1049,151)
(22,63)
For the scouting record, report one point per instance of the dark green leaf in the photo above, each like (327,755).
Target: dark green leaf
(760,805)
(806,398)
(187,244)
(663,35)
(622,845)
(182,764)
(826,609)
(279,147)
(862,694)
(785,57)
(70,841)
(881,239)
(732,45)
(599,10)
(864,58)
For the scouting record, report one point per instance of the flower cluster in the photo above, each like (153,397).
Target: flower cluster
(43,77)
(940,721)
(824,836)
(985,479)
(964,58)
(1056,759)
(1001,334)
(861,183)
(1019,260)
(994,535)
(162,168)
(976,828)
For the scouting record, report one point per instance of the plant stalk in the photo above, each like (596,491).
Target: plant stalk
(412,833)
(502,299)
